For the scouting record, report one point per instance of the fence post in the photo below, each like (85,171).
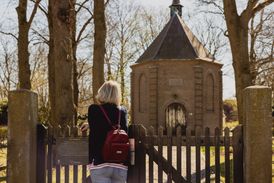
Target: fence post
(22,136)
(257,134)
(237,142)
(133,169)
(41,153)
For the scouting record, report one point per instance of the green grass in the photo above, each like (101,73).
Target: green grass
(3,152)
(231,124)
(222,162)
(3,162)
(3,131)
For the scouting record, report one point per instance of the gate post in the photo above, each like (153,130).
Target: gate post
(22,136)
(257,134)
(41,154)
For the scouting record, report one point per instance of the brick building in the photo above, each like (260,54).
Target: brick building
(176,81)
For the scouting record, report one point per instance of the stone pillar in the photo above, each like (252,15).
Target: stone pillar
(22,125)
(257,134)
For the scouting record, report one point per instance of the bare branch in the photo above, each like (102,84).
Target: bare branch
(8,34)
(80,6)
(250,5)
(84,7)
(212,12)
(36,5)
(84,37)
(215,4)
(264,70)
(43,9)
(106,3)
(83,29)
(261,6)
(41,36)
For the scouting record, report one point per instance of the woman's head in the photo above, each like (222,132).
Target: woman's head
(109,92)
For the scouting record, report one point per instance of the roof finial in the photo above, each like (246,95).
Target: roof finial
(176,7)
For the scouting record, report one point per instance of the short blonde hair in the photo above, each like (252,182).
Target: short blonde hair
(109,92)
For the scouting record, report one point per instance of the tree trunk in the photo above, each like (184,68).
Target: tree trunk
(99,46)
(51,75)
(122,74)
(75,72)
(23,42)
(237,27)
(243,76)
(61,61)
(123,91)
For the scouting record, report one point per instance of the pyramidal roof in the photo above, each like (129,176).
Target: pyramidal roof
(175,41)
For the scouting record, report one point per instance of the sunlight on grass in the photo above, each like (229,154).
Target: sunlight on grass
(272,159)
(62,177)
(231,124)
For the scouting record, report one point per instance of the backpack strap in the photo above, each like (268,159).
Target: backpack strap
(108,120)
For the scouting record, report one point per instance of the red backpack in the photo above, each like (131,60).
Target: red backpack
(116,146)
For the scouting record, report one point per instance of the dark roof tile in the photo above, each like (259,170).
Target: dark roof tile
(175,41)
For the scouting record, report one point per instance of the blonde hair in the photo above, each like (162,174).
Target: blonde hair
(109,92)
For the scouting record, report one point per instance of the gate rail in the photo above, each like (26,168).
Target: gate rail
(151,142)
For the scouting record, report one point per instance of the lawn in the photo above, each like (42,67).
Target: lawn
(3,153)
(272,159)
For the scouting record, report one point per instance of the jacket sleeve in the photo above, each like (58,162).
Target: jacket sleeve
(90,110)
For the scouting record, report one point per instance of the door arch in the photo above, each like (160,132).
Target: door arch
(175,115)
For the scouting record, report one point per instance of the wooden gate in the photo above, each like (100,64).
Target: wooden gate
(158,157)
(62,155)
(166,158)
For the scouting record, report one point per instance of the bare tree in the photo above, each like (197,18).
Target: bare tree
(150,24)
(99,46)
(81,22)
(125,27)
(60,61)
(23,42)
(8,68)
(261,48)
(211,36)
(39,79)
(238,34)
(131,28)
(237,26)
(76,39)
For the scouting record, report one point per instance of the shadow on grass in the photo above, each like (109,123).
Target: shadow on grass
(222,171)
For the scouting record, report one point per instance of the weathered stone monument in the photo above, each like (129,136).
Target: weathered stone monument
(176,81)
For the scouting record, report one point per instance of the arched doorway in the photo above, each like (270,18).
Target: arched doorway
(175,116)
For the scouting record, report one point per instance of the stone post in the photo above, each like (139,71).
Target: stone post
(22,130)
(257,134)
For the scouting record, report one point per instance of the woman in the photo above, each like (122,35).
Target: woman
(108,97)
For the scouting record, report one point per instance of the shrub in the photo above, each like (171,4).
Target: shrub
(3,112)
(230,110)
